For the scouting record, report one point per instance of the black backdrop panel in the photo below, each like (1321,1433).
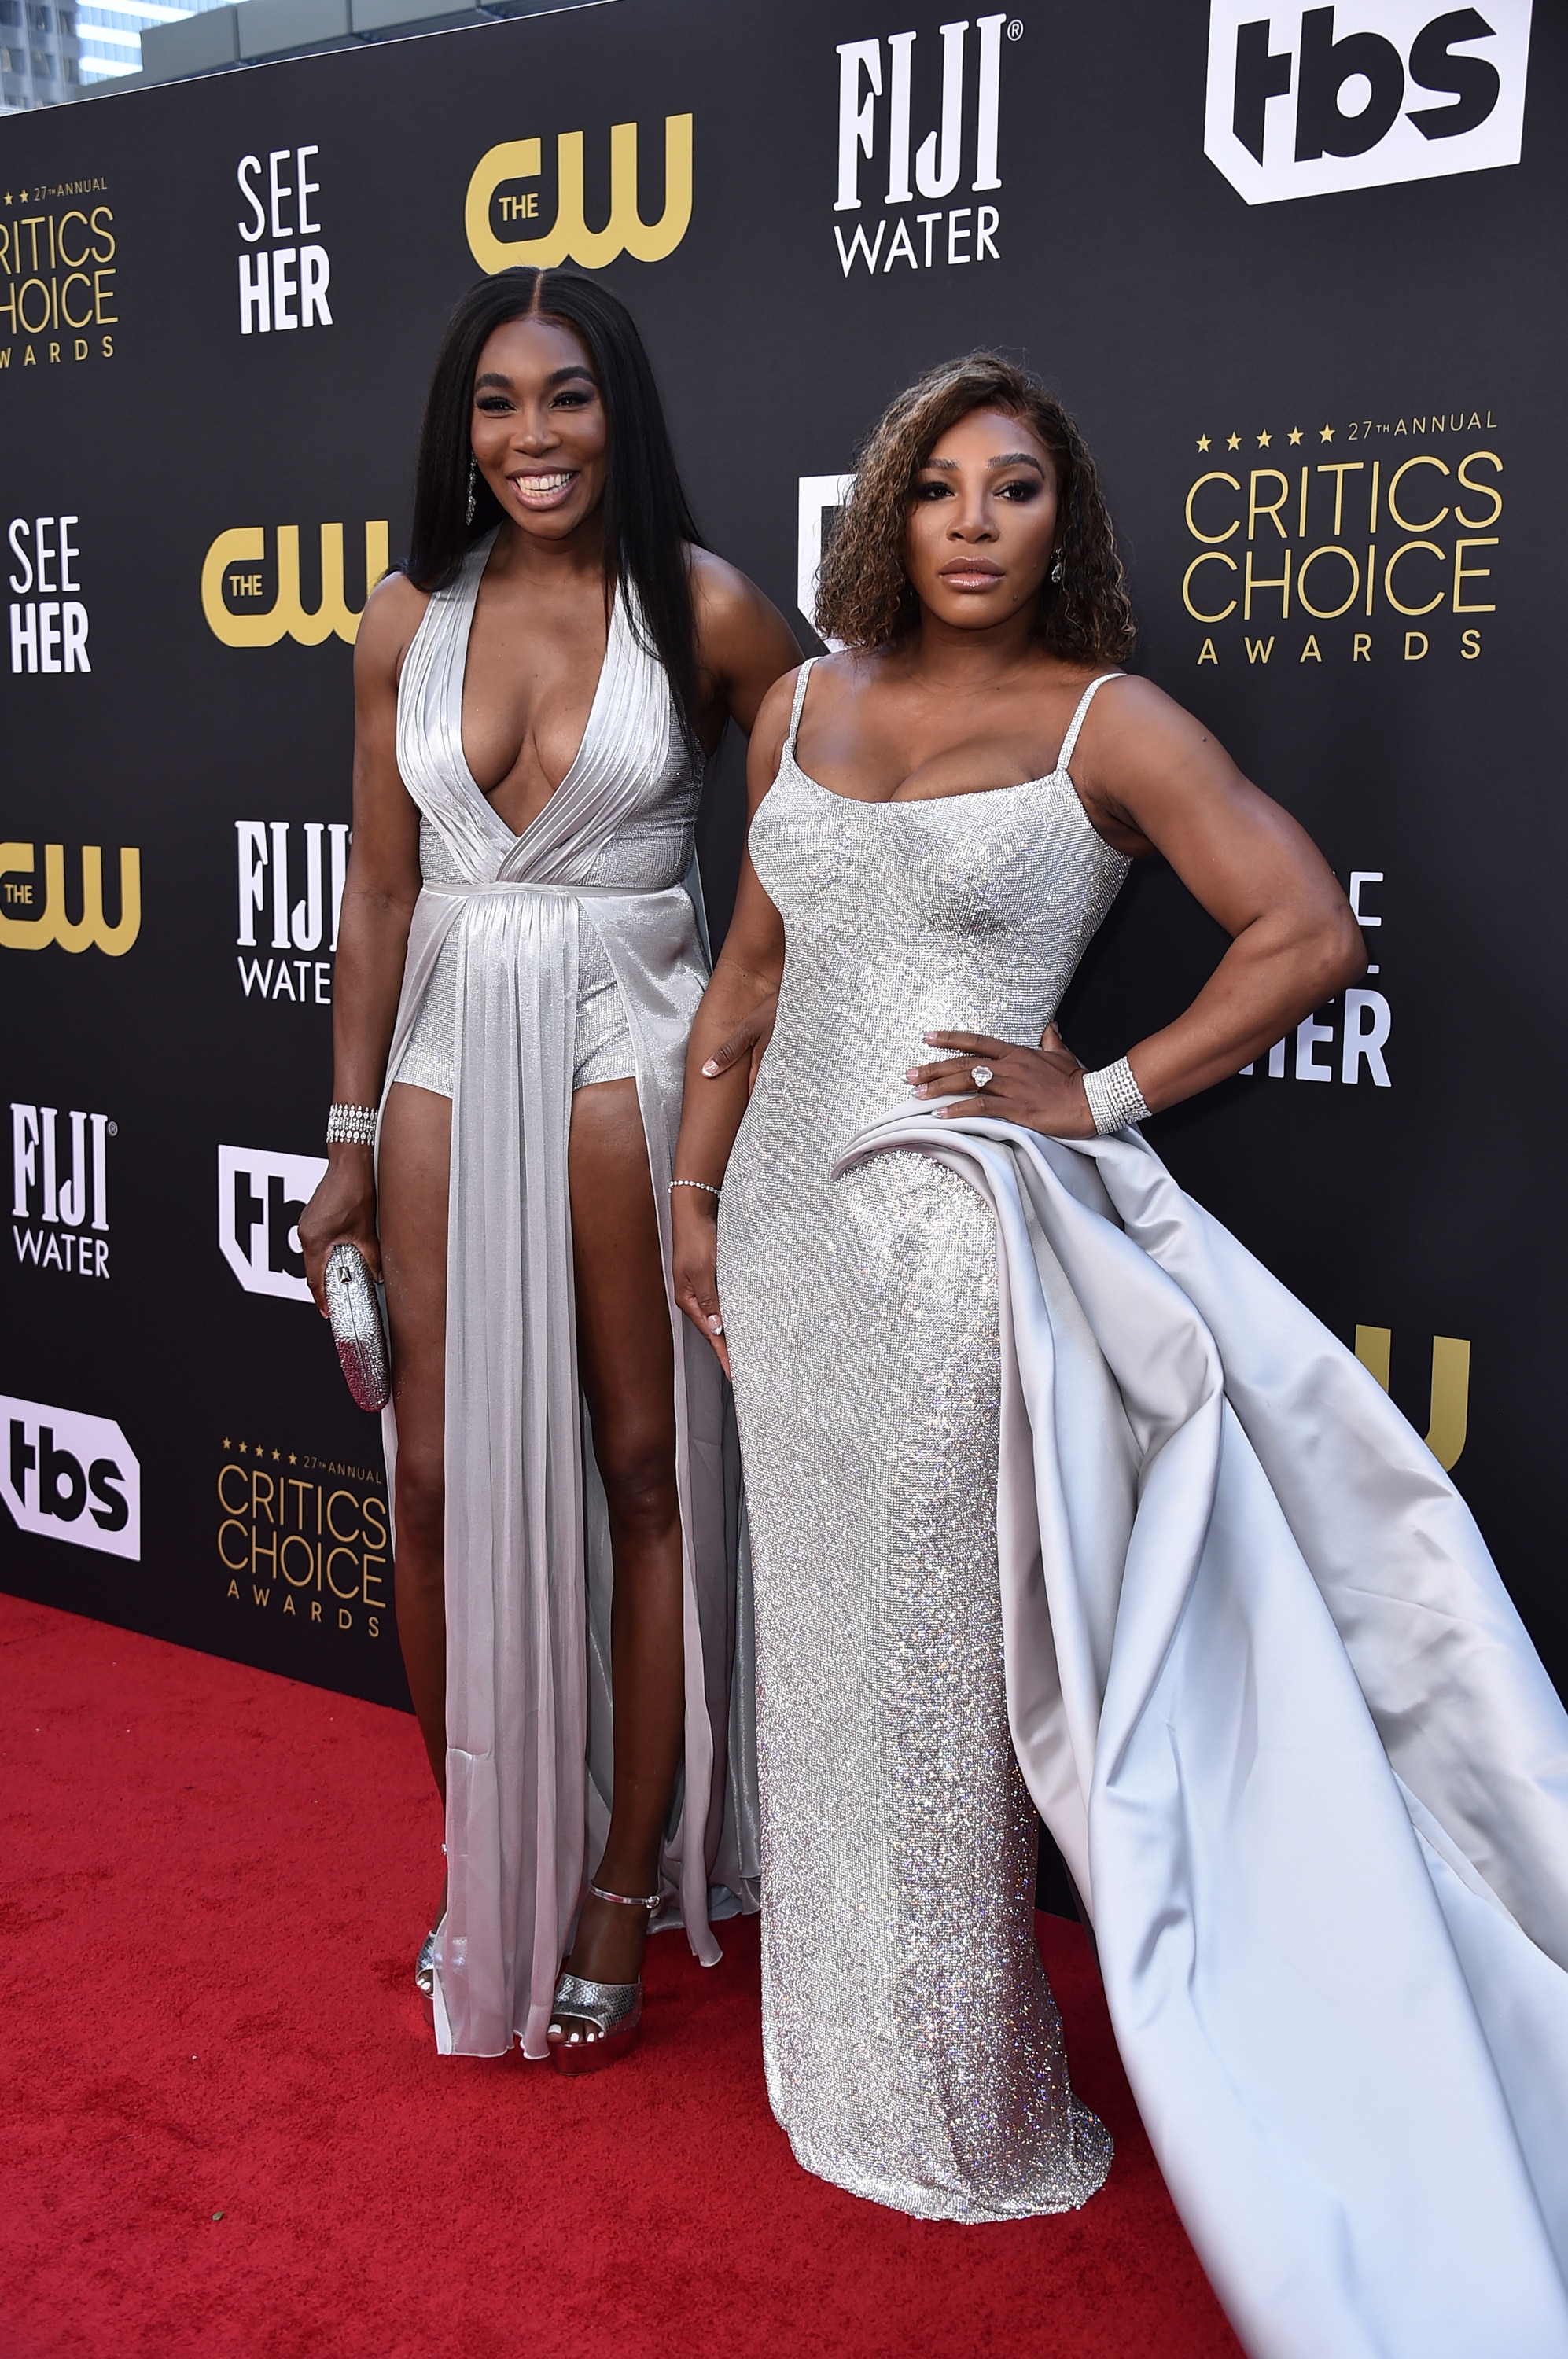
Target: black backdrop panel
(1321,388)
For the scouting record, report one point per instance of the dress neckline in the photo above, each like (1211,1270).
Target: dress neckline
(457,681)
(913,802)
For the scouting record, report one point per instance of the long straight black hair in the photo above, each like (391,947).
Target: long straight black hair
(648,524)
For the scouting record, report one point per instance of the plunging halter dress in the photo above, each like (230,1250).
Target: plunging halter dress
(536,962)
(1056,1496)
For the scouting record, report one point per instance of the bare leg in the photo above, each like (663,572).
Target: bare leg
(415,1147)
(625,1355)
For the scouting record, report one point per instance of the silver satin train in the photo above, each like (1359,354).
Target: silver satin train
(603,878)
(1258,1671)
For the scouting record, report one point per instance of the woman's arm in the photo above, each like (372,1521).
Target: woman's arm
(379,892)
(744,981)
(743,643)
(1152,780)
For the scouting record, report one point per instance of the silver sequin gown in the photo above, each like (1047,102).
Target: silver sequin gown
(913,2048)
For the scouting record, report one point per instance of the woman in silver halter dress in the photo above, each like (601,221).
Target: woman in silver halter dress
(1057,1500)
(565,1490)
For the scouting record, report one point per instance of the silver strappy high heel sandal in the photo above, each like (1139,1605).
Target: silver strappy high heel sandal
(425,1963)
(612,2012)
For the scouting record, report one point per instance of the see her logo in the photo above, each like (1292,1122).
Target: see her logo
(1302,102)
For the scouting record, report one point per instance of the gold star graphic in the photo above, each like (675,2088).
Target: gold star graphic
(1295,434)
(1325,434)
(1203,442)
(1233,442)
(277,1454)
(293,1458)
(227,1445)
(240,1447)
(1264,439)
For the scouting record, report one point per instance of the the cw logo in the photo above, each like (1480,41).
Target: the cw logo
(570,236)
(1449,1386)
(233,564)
(51,924)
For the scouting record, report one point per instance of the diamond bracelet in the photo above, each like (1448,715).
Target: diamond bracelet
(351,1125)
(706,1186)
(1115,1098)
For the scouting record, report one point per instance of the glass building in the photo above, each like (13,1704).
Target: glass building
(52,50)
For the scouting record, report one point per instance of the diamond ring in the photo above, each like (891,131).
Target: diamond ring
(980,1075)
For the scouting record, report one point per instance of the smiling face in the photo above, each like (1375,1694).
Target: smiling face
(980,537)
(540,434)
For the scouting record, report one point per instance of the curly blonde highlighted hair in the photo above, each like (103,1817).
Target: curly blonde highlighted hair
(865,598)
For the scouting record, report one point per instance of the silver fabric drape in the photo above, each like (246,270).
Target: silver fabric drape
(528,1567)
(1282,1718)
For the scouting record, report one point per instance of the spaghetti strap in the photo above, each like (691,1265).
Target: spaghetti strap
(801,677)
(1076,723)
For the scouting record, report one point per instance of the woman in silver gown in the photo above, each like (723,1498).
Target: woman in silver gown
(520,957)
(1058,1500)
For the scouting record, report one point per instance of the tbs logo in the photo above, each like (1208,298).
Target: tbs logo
(1304,102)
(70,1477)
(260,1199)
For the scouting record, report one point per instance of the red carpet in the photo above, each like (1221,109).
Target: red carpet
(227,2132)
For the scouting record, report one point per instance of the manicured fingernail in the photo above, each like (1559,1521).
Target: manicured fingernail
(711,1065)
(717,1325)
(913,1075)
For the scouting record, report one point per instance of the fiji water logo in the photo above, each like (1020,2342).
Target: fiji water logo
(59,1188)
(886,88)
(499,201)
(1303,101)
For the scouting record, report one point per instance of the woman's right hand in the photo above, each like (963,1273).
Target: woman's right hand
(342,1206)
(695,1257)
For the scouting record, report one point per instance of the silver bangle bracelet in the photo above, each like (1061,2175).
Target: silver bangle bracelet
(706,1188)
(351,1125)
(1115,1098)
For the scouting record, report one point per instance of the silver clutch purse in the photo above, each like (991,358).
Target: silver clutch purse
(355,1316)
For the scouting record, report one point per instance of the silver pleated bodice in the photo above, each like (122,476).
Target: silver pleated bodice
(913,2048)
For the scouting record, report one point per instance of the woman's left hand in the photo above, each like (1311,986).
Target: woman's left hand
(1038,1088)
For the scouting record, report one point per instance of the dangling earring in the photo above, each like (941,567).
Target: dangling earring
(473,477)
(1055,570)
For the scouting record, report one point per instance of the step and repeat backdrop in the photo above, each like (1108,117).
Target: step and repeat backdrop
(1293,270)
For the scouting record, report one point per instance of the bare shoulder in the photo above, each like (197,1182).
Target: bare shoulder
(730,612)
(392,612)
(772,723)
(1133,722)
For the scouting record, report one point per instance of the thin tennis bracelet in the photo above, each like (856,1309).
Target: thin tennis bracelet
(706,1186)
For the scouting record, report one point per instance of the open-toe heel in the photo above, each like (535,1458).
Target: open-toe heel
(606,2020)
(606,2017)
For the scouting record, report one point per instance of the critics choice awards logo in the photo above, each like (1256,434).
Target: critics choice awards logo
(285,272)
(886,88)
(67,1477)
(58,249)
(1302,102)
(1368,539)
(59,1188)
(304,1538)
(505,214)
